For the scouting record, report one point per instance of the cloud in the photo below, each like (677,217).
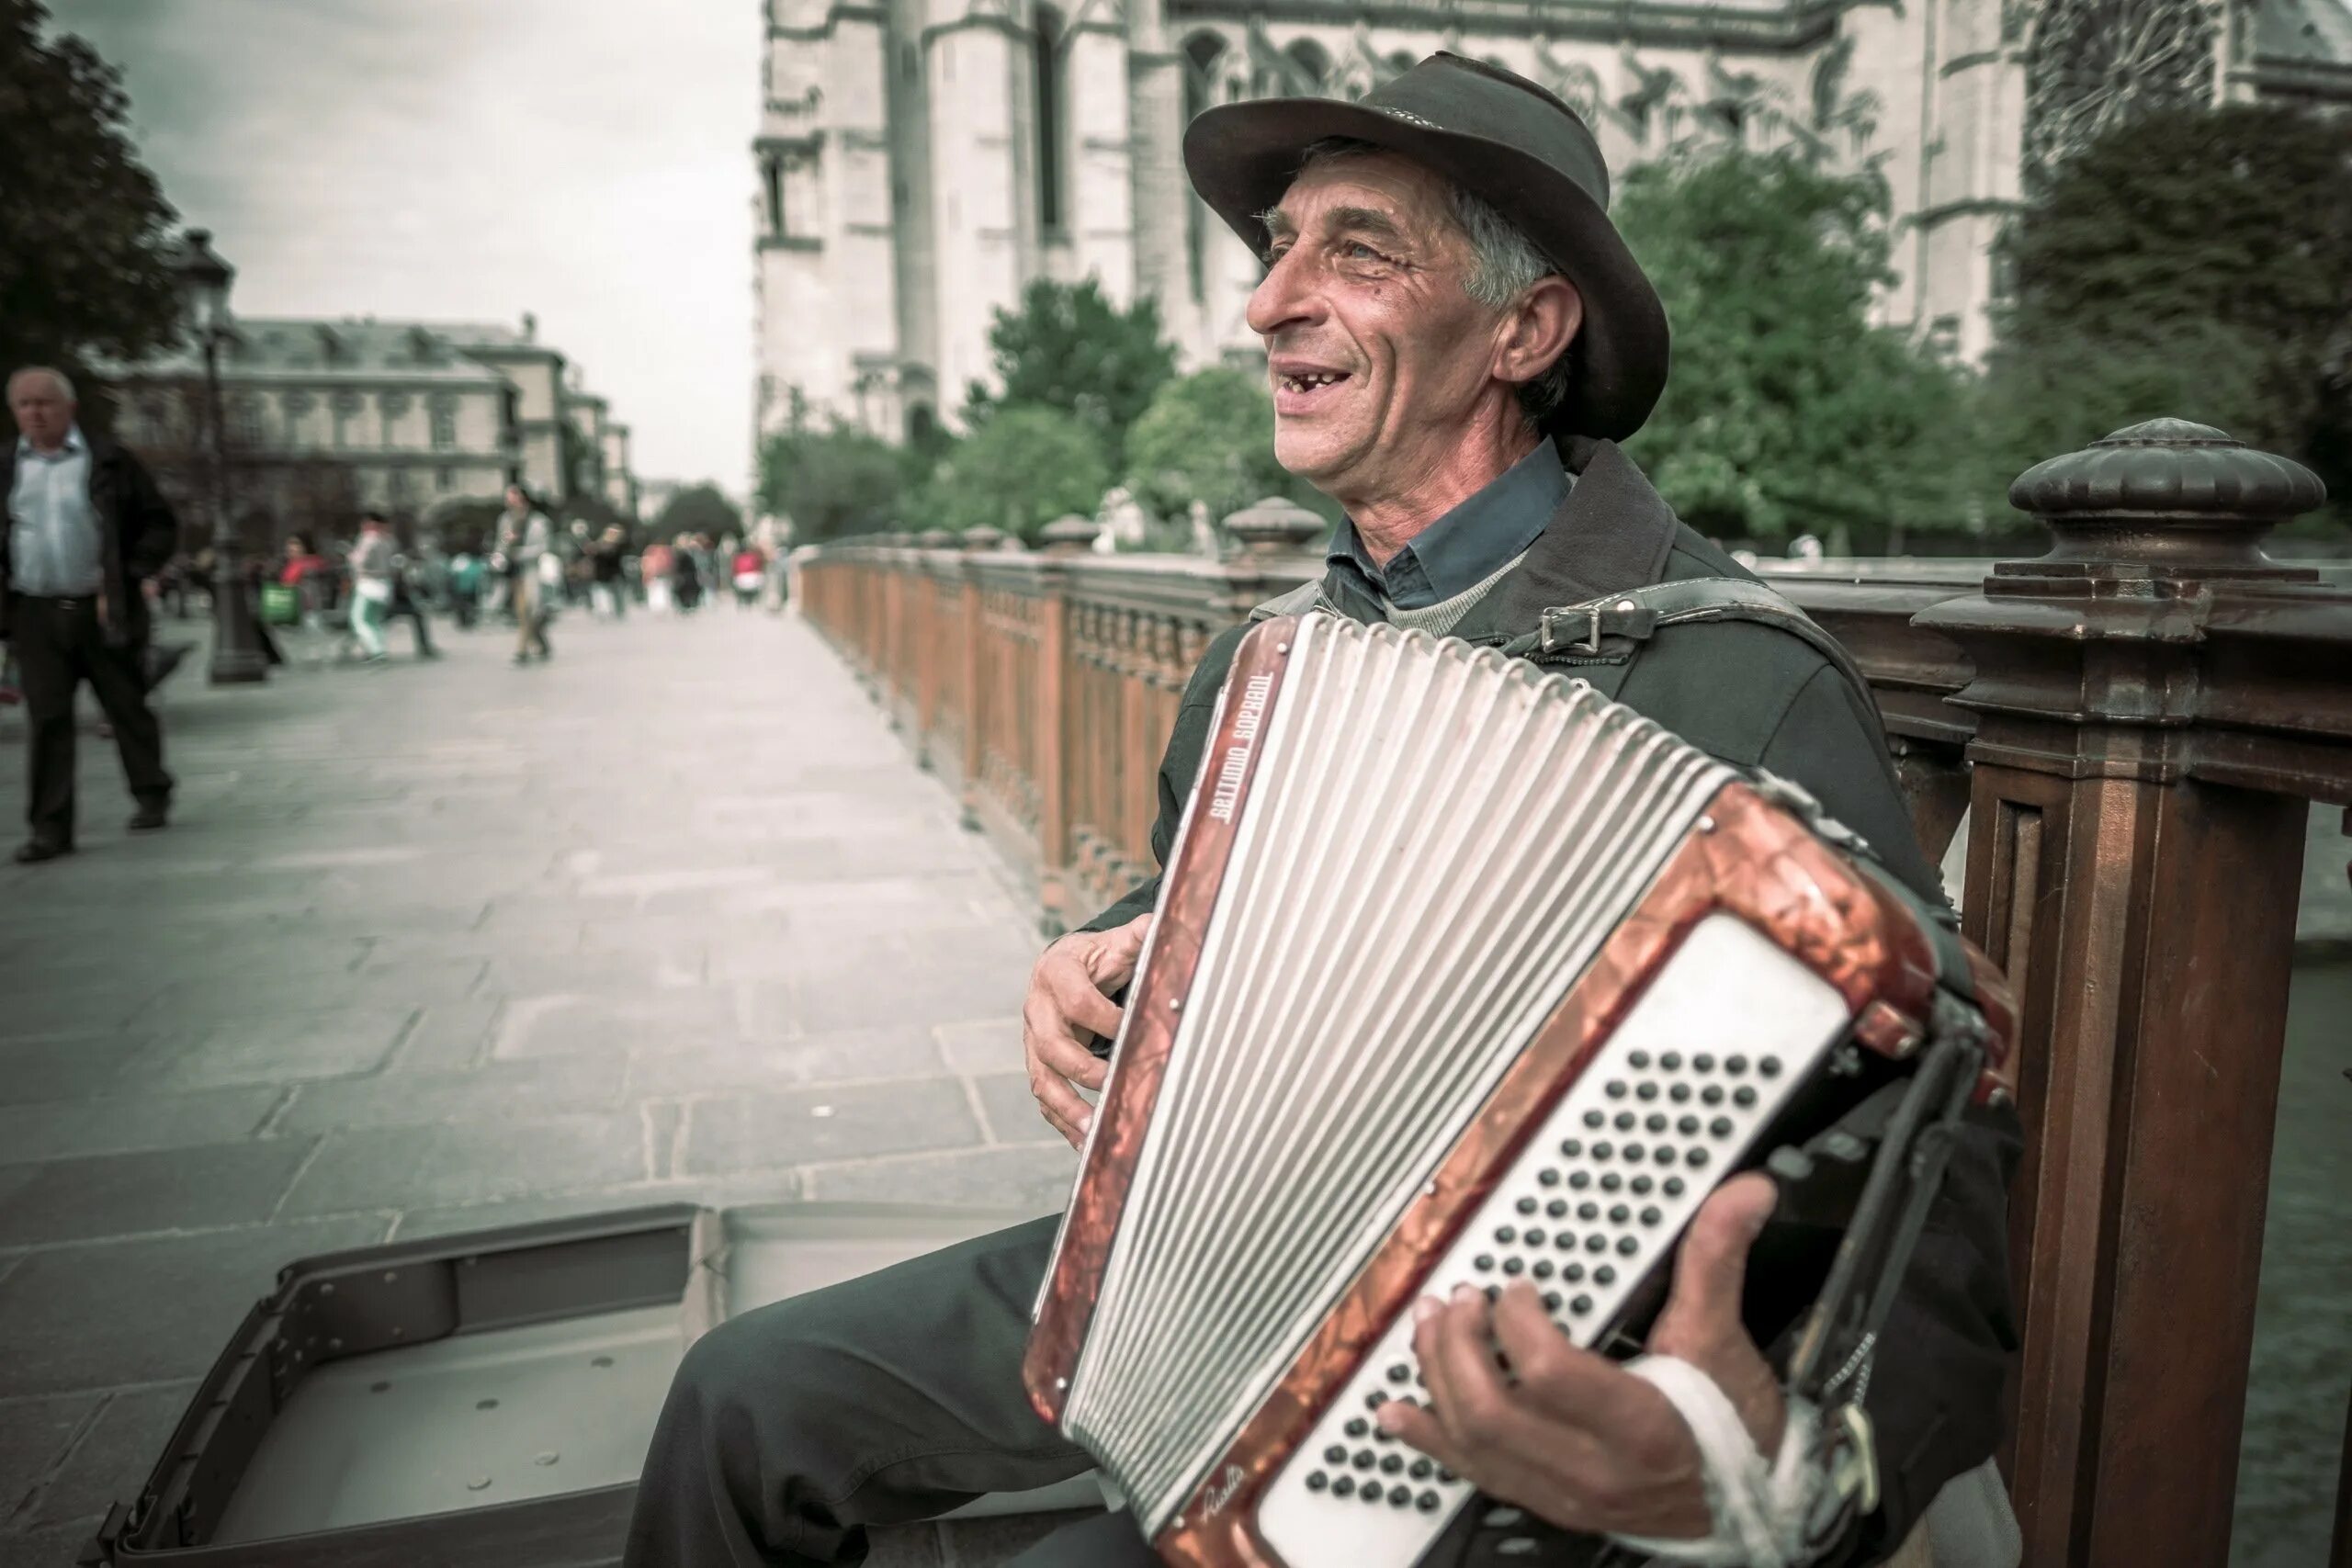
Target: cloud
(583,160)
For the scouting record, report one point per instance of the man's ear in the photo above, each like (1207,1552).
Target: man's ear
(1538,330)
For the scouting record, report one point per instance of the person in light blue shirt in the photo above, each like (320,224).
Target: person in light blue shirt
(83,528)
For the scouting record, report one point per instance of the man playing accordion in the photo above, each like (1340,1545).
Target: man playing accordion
(1456,338)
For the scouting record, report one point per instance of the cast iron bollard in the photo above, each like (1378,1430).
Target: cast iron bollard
(2153,714)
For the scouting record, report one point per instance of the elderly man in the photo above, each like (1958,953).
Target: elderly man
(83,528)
(1455,334)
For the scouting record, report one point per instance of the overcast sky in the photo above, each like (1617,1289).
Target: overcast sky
(586,160)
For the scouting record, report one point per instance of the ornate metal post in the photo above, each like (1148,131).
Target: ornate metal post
(204,278)
(2134,855)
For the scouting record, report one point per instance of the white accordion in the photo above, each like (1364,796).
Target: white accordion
(1461,973)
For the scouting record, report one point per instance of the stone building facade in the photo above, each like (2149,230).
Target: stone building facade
(920,161)
(322,418)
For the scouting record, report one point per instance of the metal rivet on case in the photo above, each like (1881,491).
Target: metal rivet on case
(479,1484)
(548,1457)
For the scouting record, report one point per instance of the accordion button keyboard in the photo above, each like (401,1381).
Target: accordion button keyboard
(1698,1035)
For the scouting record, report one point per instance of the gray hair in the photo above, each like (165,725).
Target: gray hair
(64,383)
(1504,263)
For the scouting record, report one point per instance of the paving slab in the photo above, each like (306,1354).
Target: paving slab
(161,1190)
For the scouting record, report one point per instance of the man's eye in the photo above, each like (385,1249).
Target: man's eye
(1356,250)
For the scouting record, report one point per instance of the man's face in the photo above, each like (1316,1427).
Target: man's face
(1374,351)
(43,413)
(514,500)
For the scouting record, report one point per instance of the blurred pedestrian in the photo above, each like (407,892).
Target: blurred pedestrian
(408,604)
(83,528)
(654,566)
(751,575)
(525,539)
(607,594)
(686,575)
(375,560)
(466,574)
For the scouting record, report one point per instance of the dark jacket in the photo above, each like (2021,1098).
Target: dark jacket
(1755,696)
(137,531)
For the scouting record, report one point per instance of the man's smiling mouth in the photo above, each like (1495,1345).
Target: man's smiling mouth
(1311,381)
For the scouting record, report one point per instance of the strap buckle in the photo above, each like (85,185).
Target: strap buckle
(1590,642)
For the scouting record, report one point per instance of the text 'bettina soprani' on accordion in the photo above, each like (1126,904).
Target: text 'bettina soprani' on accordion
(1462,973)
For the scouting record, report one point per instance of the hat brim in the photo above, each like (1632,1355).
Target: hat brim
(1242,157)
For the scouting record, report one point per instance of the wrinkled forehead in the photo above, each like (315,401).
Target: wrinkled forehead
(1357,187)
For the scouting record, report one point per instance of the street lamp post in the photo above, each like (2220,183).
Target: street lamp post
(237,658)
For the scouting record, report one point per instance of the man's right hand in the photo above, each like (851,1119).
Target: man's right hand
(1069,995)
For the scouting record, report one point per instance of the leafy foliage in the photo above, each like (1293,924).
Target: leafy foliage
(1208,436)
(699,509)
(832,482)
(1787,411)
(85,246)
(2192,262)
(1070,348)
(1018,472)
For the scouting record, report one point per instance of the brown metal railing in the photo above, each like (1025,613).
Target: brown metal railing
(2135,724)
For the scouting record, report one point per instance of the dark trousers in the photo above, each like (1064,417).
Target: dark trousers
(404,604)
(59,645)
(882,1400)
(898,1397)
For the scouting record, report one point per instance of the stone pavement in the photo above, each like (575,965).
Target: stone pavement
(435,947)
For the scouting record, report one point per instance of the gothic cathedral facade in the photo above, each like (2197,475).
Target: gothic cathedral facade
(920,162)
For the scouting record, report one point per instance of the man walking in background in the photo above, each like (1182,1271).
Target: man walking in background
(524,534)
(82,529)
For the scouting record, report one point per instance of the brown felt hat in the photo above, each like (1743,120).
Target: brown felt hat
(1503,139)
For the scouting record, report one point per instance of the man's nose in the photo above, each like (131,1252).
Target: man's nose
(1285,297)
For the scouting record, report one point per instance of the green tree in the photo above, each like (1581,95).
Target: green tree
(2191,262)
(85,244)
(699,509)
(1788,411)
(832,482)
(1018,472)
(1208,436)
(1070,348)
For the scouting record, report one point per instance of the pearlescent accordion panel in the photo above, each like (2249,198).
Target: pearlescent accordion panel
(1408,927)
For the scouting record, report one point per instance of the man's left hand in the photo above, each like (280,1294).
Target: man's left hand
(1568,1434)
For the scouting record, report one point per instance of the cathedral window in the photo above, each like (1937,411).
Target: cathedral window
(444,429)
(1308,68)
(1052,95)
(1200,52)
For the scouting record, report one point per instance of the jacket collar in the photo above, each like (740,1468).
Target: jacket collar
(1612,532)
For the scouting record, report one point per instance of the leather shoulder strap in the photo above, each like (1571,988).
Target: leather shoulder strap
(1571,633)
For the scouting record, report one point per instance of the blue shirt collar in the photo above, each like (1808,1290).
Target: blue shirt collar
(1466,545)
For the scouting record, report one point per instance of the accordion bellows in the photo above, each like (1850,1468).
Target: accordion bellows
(1396,1004)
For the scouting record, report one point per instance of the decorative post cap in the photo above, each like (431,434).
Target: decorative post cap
(1275,526)
(935,539)
(984,539)
(1070,535)
(2170,493)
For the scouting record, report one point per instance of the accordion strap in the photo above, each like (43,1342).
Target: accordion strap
(1583,633)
